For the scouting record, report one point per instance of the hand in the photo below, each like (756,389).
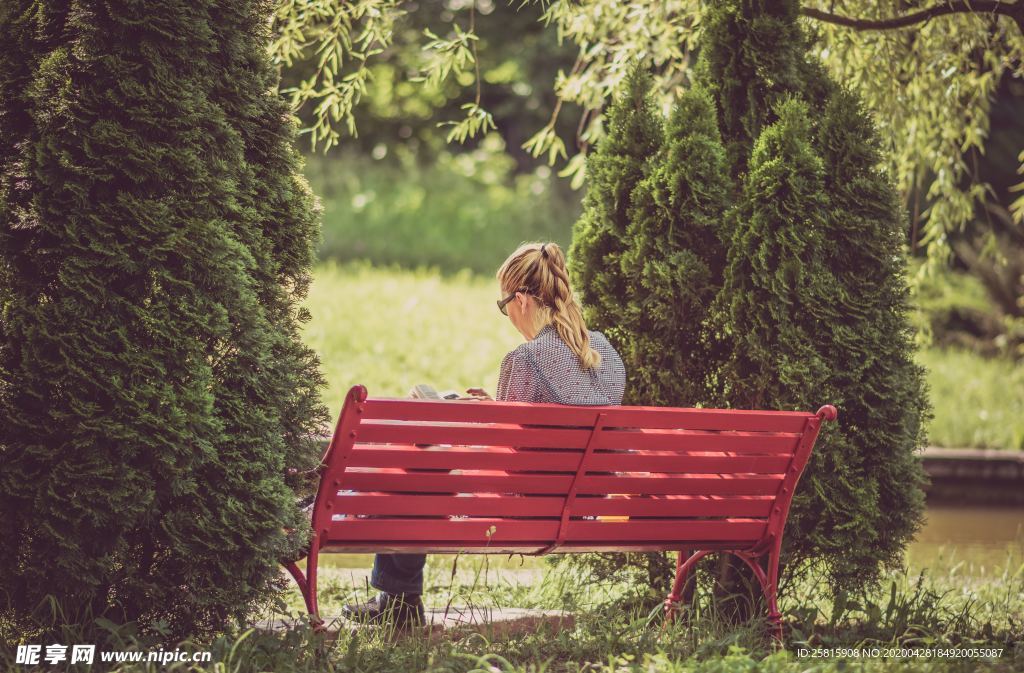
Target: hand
(478,394)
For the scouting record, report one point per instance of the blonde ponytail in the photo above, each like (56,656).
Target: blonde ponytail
(539,268)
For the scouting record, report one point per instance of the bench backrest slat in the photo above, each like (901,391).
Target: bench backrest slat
(472,435)
(478,533)
(488,481)
(491,458)
(557,415)
(507,434)
(699,440)
(385,504)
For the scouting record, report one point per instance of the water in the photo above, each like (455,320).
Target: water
(972,536)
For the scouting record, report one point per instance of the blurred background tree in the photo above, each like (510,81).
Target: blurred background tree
(943,80)
(397,179)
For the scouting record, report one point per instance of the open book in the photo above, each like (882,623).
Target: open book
(425,391)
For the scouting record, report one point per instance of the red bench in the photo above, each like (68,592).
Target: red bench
(685,479)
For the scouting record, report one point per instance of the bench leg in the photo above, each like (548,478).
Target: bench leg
(682,572)
(311,567)
(774,616)
(769,585)
(768,581)
(300,579)
(307,582)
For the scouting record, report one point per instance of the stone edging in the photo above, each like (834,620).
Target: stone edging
(975,476)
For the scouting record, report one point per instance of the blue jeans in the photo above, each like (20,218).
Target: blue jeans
(398,573)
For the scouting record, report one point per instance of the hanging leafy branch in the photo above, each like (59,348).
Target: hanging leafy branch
(454,56)
(612,38)
(927,74)
(1014,10)
(447,56)
(930,86)
(344,36)
(1017,207)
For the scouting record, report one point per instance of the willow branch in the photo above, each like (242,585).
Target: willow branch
(1014,10)
(476,57)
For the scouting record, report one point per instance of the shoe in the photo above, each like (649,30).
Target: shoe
(402,610)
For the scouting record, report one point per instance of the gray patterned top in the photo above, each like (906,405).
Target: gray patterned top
(545,369)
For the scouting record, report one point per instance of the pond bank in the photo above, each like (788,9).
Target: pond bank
(974,476)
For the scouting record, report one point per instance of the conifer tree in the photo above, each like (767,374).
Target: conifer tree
(867,472)
(155,243)
(671,265)
(673,260)
(753,57)
(842,514)
(771,303)
(776,277)
(813,301)
(613,171)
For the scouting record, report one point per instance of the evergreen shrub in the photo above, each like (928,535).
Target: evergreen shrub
(781,286)
(156,238)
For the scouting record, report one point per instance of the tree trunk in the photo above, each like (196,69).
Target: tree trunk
(738,596)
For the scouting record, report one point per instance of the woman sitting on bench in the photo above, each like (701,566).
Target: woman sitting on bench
(561,362)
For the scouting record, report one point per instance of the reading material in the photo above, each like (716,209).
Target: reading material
(424,391)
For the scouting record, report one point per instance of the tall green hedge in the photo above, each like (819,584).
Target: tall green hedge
(861,497)
(652,295)
(777,278)
(613,171)
(672,260)
(811,304)
(156,238)
(752,58)
(869,463)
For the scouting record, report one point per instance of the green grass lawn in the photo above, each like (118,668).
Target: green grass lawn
(390,329)
(907,616)
(978,402)
(462,212)
(953,604)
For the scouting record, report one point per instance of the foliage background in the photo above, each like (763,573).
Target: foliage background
(946,92)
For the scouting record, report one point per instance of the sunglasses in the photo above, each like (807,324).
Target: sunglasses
(503,303)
